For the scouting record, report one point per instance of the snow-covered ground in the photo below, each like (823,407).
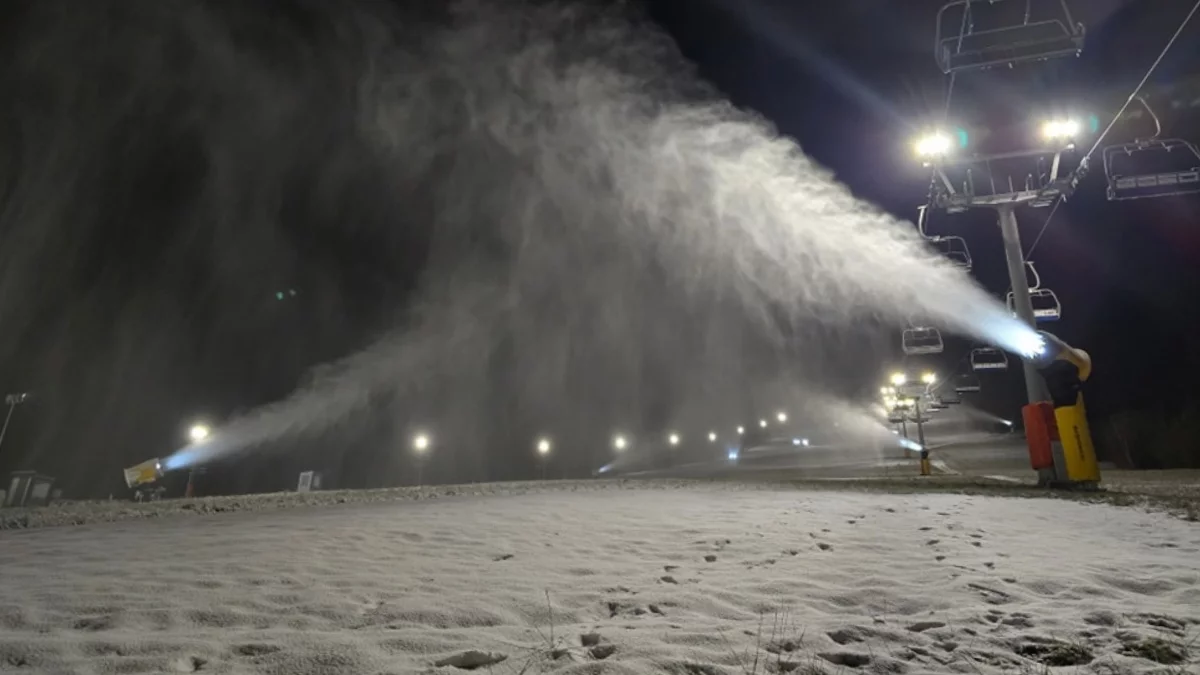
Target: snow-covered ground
(692,581)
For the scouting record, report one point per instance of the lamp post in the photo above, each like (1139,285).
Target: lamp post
(198,433)
(421,448)
(543,451)
(928,379)
(12,401)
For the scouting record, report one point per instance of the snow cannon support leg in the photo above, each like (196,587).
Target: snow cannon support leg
(1079,453)
(1041,437)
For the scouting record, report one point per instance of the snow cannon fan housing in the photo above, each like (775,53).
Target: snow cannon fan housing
(1064,368)
(145,473)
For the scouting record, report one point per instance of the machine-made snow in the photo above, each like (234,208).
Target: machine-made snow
(630,578)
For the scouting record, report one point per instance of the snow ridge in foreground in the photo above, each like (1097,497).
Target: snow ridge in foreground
(698,581)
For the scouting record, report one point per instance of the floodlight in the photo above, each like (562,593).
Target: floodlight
(933,145)
(1061,130)
(198,432)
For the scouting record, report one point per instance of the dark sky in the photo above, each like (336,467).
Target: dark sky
(132,306)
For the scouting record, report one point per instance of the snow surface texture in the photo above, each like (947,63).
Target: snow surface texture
(692,581)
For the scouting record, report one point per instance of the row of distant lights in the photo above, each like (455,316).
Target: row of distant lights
(421,442)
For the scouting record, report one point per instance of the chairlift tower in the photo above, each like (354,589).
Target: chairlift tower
(974,35)
(994,182)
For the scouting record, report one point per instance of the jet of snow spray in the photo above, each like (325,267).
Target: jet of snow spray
(575,143)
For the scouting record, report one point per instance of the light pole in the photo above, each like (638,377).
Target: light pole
(198,433)
(543,450)
(928,379)
(12,401)
(672,443)
(421,448)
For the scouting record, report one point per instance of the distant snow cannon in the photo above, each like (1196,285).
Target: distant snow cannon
(146,473)
(1057,431)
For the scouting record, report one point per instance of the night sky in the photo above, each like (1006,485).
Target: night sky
(132,307)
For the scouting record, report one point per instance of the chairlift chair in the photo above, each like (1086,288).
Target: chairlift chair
(1152,168)
(920,340)
(1046,306)
(967,384)
(987,358)
(895,417)
(954,249)
(959,46)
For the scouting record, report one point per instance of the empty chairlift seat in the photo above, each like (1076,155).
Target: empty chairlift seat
(967,384)
(972,36)
(953,249)
(1152,168)
(921,340)
(986,358)
(1046,306)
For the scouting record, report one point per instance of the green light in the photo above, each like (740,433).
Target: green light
(279,295)
(1093,123)
(961,135)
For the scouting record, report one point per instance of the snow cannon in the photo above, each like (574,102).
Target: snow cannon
(143,474)
(1057,431)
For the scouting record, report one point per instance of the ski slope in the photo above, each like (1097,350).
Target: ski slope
(631,578)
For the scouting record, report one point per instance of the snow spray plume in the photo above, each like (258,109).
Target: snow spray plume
(589,197)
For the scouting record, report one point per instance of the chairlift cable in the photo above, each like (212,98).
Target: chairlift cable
(1132,97)
(1146,78)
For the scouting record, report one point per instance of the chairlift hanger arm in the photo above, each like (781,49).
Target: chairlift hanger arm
(1153,116)
(1037,278)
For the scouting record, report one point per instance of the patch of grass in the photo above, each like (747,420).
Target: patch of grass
(1057,654)
(1157,650)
